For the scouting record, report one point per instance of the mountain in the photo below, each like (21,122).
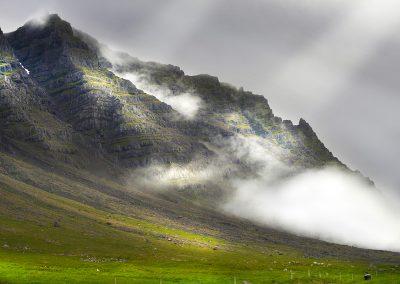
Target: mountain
(133,127)
(73,132)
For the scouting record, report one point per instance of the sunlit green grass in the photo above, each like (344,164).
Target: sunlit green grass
(99,253)
(42,268)
(98,244)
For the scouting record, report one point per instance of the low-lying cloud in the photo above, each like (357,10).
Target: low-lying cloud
(329,204)
(164,177)
(185,103)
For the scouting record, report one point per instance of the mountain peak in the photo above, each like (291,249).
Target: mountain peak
(54,17)
(47,21)
(2,38)
(54,20)
(54,38)
(4,47)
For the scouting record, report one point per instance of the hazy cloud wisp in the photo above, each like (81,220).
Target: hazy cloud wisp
(186,103)
(329,204)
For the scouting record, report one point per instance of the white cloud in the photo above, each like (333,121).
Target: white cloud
(39,18)
(328,204)
(186,103)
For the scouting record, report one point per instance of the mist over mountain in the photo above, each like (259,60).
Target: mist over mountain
(84,125)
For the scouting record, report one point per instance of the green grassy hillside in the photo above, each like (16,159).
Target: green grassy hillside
(47,236)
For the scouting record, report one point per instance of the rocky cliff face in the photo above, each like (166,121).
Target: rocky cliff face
(71,99)
(25,109)
(235,111)
(116,117)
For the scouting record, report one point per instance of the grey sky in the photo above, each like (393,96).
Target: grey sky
(333,62)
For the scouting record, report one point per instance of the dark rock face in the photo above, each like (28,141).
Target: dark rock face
(72,99)
(20,99)
(4,46)
(228,111)
(108,111)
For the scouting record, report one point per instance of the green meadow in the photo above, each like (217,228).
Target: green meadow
(72,227)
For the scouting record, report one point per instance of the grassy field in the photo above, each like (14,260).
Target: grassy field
(96,247)
(58,228)
(179,265)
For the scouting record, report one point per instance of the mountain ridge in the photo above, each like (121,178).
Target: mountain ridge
(77,138)
(78,69)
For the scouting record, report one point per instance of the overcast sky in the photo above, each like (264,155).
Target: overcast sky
(335,63)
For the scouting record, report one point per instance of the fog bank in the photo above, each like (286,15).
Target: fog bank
(327,204)
(330,204)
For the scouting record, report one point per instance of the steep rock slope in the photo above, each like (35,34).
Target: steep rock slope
(25,109)
(225,108)
(129,127)
(134,127)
